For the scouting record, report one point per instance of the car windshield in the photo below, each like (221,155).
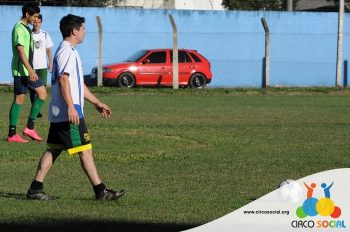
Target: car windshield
(136,56)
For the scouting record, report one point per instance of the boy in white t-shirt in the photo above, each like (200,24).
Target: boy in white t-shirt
(68,130)
(42,60)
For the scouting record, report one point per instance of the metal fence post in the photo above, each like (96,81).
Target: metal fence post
(100,50)
(266,80)
(340,44)
(175,55)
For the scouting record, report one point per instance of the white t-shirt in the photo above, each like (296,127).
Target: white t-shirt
(42,41)
(66,61)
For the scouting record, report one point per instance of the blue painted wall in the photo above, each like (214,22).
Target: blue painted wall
(303,44)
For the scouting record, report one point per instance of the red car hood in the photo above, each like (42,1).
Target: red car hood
(115,65)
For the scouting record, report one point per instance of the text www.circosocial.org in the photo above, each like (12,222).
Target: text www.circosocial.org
(285,212)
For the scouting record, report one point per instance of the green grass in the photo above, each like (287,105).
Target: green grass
(185,157)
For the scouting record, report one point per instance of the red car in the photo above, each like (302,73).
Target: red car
(155,68)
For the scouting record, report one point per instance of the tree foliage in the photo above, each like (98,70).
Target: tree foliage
(279,5)
(95,3)
(87,3)
(347,4)
(255,4)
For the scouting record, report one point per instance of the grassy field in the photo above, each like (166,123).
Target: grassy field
(185,157)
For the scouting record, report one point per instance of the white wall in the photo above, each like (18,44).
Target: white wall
(145,4)
(179,4)
(198,4)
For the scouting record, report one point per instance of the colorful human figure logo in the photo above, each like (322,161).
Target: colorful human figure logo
(324,206)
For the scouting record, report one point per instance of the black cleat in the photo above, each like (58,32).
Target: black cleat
(39,195)
(109,194)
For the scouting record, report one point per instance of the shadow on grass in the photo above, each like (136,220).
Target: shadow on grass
(86,225)
(18,196)
(92,226)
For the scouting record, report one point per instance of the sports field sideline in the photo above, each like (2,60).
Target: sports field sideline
(185,157)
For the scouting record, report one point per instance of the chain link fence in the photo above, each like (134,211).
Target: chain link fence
(303,45)
(275,5)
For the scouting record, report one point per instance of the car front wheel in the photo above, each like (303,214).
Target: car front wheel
(198,81)
(126,80)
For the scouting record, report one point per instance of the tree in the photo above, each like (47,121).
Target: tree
(87,3)
(95,3)
(278,5)
(321,5)
(347,4)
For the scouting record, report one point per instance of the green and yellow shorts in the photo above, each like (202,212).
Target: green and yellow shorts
(69,137)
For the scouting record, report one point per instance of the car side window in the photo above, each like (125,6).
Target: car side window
(183,57)
(157,57)
(196,58)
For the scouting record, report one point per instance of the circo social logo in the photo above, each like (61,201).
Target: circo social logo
(324,206)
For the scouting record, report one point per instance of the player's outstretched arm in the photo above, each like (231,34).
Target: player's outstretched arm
(101,107)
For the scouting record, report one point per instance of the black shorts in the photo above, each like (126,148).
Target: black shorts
(69,137)
(21,84)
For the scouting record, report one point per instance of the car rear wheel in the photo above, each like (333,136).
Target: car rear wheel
(126,80)
(198,81)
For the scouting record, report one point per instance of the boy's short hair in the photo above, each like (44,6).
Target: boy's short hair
(31,8)
(70,22)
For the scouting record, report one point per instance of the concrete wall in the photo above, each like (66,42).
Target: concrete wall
(303,45)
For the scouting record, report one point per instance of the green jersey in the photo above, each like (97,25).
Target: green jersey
(21,36)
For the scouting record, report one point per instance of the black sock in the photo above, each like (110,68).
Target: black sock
(32,95)
(30,123)
(12,131)
(99,188)
(37,185)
